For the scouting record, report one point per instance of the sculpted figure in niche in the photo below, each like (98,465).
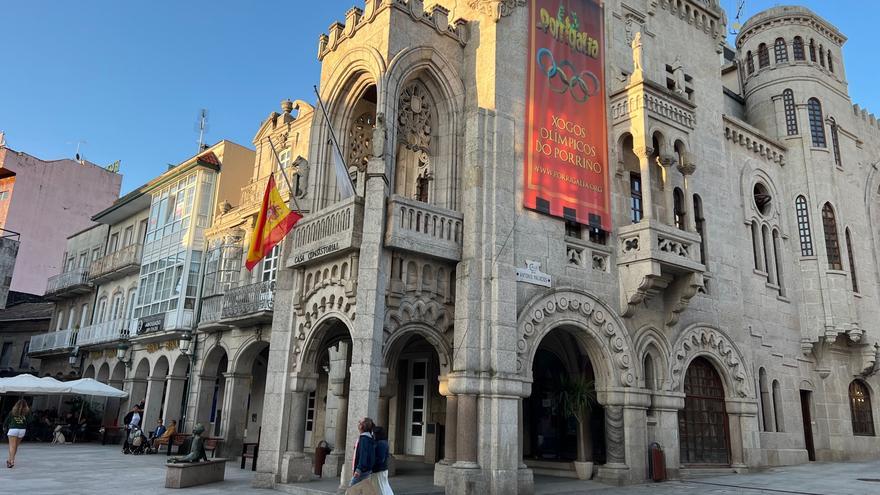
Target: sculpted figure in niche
(678,75)
(637,52)
(379,136)
(301,183)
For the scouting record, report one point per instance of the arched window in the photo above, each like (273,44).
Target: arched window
(803,221)
(750,62)
(60,322)
(700,224)
(860,406)
(763,56)
(757,249)
(832,244)
(791,125)
(650,382)
(798,48)
(821,55)
(767,423)
(777,257)
(635,197)
(852,261)
(777,406)
(780,51)
(813,50)
(830,63)
(817,125)
(835,141)
(678,208)
(416,146)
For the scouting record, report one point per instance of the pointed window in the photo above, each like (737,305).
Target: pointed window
(852,262)
(678,208)
(812,50)
(780,50)
(763,56)
(822,55)
(830,63)
(835,141)
(750,63)
(791,125)
(817,124)
(798,48)
(832,243)
(803,221)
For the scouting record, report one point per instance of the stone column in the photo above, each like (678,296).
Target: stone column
(451,430)
(295,466)
(644,155)
(205,399)
(155,387)
(234,415)
(626,435)
(687,167)
(466,443)
(667,161)
(173,398)
(742,421)
(338,385)
(615,436)
(666,407)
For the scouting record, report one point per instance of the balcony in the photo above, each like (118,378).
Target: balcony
(68,284)
(249,305)
(423,228)
(116,265)
(161,326)
(252,194)
(61,341)
(331,231)
(107,332)
(212,311)
(655,259)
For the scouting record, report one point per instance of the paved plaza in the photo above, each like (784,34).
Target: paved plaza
(94,469)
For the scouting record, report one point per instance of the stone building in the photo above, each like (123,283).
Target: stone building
(726,316)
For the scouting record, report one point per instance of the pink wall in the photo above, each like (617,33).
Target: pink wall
(50,201)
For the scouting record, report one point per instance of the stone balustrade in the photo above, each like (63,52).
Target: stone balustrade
(424,228)
(331,231)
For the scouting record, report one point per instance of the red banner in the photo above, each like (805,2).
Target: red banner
(566,165)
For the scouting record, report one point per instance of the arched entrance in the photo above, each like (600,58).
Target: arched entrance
(212,387)
(553,437)
(244,403)
(156,390)
(703,430)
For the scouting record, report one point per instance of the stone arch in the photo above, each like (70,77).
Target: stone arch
(103,375)
(750,177)
(161,367)
(243,360)
(89,372)
(213,357)
(142,370)
(714,345)
(118,372)
(306,354)
(394,344)
(650,341)
(604,336)
(180,367)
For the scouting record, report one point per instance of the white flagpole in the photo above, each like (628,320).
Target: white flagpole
(346,187)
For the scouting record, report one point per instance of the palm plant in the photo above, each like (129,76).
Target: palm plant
(577,397)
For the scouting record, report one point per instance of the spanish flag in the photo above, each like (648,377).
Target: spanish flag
(273,223)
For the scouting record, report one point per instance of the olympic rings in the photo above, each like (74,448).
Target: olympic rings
(571,82)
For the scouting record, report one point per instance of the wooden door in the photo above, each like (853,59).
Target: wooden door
(702,424)
(808,424)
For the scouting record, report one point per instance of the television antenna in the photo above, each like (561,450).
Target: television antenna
(737,25)
(202,127)
(78,145)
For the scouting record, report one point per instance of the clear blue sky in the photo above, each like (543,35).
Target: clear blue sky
(129,77)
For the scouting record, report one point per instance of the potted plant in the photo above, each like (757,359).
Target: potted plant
(577,398)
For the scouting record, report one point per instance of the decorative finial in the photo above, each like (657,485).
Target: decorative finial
(286,106)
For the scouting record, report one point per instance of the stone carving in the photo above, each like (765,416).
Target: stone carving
(541,315)
(329,296)
(496,8)
(703,340)
(415,120)
(224,207)
(678,76)
(359,143)
(196,451)
(301,168)
(614,435)
(379,135)
(637,53)
(673,246)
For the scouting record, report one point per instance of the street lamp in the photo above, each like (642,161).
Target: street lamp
(184,341)
(73,359)
(121,349)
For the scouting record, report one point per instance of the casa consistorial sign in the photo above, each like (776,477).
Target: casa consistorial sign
(532,274)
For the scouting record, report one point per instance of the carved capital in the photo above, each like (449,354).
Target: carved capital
(643,152)
(666,161)
(496,8)
(687,165)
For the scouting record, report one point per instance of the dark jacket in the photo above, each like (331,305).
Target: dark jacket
(16,422)
(365,454)
(381,462)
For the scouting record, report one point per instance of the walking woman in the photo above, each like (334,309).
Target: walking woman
(380,465)
(16,423)
(364,452)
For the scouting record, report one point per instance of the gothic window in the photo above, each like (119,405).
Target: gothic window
(678,208)
(803,221)
(835,141)
(768,254)
(777,257)
(780,51)
(832,244)
(798,48)
(763,56)
(750,62)
(791,125)
(767,423)
(757,249)
(822,55)
(813,50)
(635,197)
(700,223)
(860,407)
(852,262)
(817,124)
(777,406)
(360,136)
(415,126)
(830,63)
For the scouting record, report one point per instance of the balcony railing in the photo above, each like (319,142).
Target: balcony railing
(333,230)
(242,301)
(212,309)
(102,333)
(72,282)
(174,320)
(424,228)
(61,340)
(252,194)
(126,260)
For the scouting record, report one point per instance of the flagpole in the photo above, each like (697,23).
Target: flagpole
(283,174)
(332,134)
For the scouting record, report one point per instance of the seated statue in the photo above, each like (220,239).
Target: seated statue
(196,450)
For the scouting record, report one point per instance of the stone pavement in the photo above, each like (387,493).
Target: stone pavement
(93,469)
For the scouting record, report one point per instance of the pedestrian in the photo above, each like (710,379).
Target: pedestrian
(364,452)
(132,420)
(16,427)
(380,465)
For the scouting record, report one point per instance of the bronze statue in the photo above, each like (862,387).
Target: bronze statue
(196,450)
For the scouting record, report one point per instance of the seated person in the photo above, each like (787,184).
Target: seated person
(165,436)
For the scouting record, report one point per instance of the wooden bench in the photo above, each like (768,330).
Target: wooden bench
(194,473)
(211,444)
(178,439)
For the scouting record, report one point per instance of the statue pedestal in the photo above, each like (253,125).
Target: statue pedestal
(194,473)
